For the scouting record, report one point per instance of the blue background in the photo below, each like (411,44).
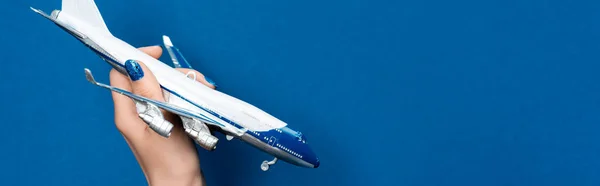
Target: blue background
(430,92)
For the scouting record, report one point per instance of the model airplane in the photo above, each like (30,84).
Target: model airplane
(201,109)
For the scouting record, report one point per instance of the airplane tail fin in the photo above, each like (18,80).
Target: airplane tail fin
(85,10)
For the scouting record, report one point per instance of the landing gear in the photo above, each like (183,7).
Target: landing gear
(264,166)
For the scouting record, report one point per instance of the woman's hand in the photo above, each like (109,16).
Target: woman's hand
(164,161)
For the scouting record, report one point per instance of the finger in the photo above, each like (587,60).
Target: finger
(154,51)
(199,77)
(125,112)
(143,82)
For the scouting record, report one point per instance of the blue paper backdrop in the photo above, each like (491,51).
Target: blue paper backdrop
(430,92)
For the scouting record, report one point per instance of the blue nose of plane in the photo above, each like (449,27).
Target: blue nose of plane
(317,163)
(312,158)
(309,156)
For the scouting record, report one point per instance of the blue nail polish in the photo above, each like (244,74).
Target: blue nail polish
(134,70)
(210,81)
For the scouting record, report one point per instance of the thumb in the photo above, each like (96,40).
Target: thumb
(143,82)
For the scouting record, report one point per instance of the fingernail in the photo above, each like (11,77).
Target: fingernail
(210,81)
(134,70)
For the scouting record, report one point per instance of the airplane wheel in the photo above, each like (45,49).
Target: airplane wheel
(264,166)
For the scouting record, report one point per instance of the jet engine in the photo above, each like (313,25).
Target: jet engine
(158,124)
(204,139)
(200,133)
(152,115)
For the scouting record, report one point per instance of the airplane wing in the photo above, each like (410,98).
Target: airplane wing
(178,60)
(169,107)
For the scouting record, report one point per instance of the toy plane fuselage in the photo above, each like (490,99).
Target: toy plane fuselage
(226,114)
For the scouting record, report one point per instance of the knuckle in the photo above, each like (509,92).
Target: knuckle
(122,124)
